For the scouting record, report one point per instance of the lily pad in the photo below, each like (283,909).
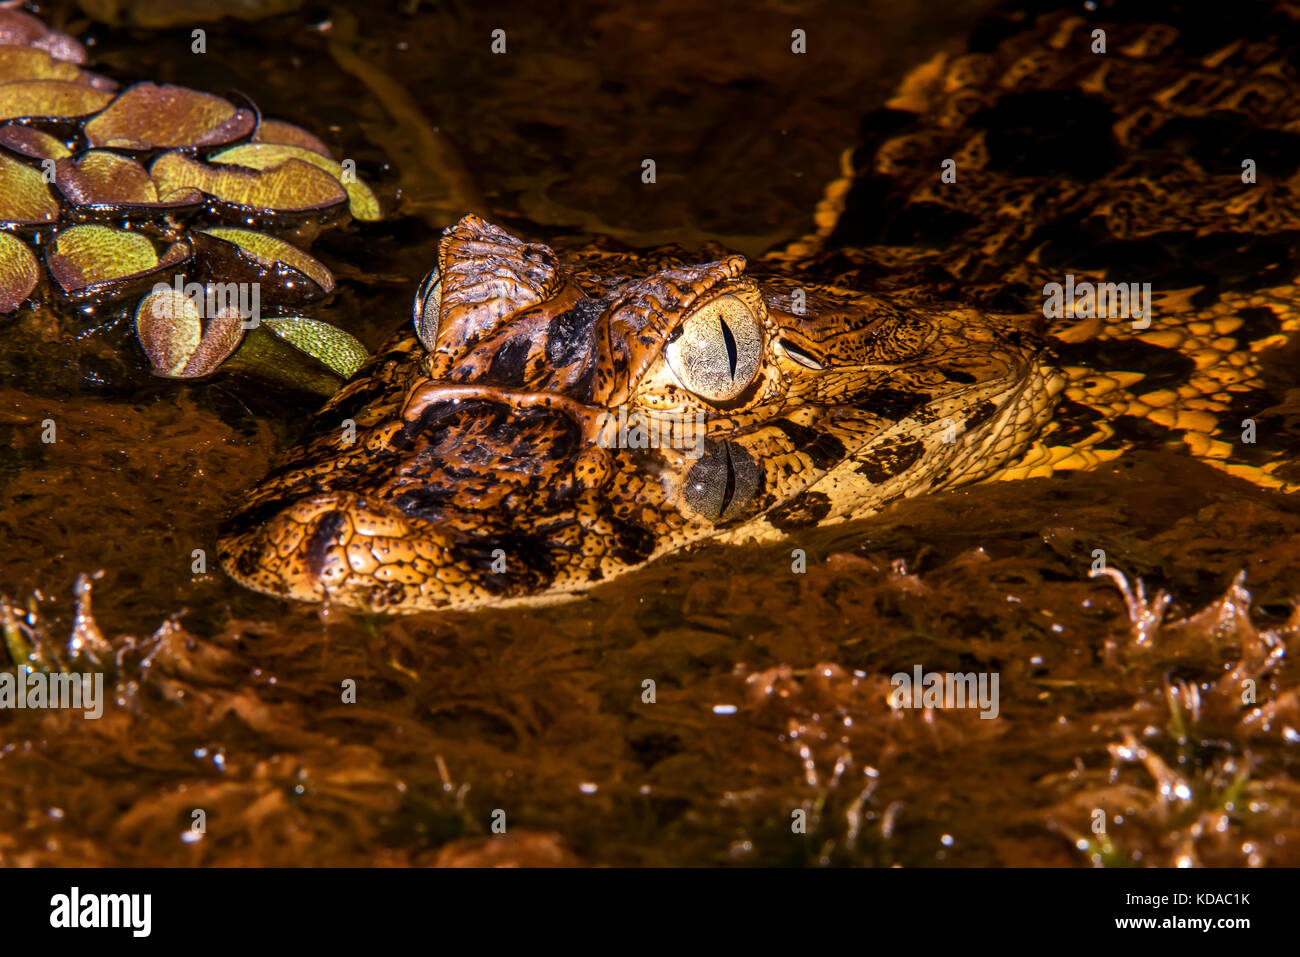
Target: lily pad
(268,156)
(33,143)
(179,342)
(147,116)
(103,263)
(50,99)
(246,255)
(294,186)
(18,272)
(25,200)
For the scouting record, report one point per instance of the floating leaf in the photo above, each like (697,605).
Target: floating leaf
(147,116)
(29,63)
(87,255)
(328,344)
(266,156)
(18,272)
(102,178)
(31,142)
(294,186)
(23,29)
(99,262)
(177,340)
(278,131)
(291,270)
(25,200)
(50,99)
(264,355)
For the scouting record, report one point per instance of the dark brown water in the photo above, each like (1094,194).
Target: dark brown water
(770,687)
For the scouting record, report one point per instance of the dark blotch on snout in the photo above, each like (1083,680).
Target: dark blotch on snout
(322,538)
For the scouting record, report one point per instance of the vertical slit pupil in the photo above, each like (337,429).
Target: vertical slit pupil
(728,489)
(730,342)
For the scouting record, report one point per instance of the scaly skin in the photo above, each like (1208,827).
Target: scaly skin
(489,440)
(917,362)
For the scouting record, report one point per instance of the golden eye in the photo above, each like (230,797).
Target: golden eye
(428,299)
(717,353)
(724,484)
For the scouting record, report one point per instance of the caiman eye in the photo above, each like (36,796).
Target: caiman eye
(428,298)
(716,354)
(721,486)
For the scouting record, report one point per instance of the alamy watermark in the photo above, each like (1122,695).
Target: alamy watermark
(25,688)
(647,430)
(1106,300)
(130,911)
(211,299)
(946,689)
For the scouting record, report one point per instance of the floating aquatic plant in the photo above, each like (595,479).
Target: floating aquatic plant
(151,191)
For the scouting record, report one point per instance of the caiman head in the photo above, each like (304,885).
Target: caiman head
(550,423)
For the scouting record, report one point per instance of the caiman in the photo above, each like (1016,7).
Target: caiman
(1076,239)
